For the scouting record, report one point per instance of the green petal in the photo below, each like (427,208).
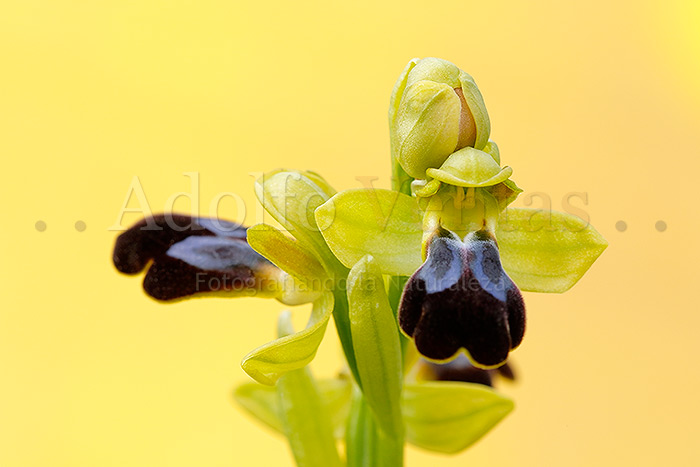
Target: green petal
(291,197)
(375,337)
(450,416)
(291,257)
(305,420)
(385,224)
(262,403)
(267,363)
(546,251)
(470,167)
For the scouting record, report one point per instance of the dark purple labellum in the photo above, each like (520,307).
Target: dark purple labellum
(193,255)
(462,298)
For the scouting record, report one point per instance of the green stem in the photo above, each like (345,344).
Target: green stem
(342,325)
(367,444)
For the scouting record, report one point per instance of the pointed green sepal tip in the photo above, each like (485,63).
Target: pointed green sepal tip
(268,363)
(546,251)
(449,417)
(375,338)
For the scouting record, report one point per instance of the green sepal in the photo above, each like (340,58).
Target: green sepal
(448,417)
(267,363)
(291,197)
(470,167)
(262,403)
(375,337)
(546,251)
(383,223)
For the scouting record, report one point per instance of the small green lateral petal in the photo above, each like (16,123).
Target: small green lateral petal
(262,403)
(375,338)
(478,109)
(546,251)
(448,417)
(286,253)
(383,223)
(267,363)
(291,197)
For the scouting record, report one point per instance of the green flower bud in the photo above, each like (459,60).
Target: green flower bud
(436,109)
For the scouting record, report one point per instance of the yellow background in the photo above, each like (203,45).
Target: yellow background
(598,97)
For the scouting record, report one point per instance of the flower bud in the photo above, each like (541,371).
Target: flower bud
(436,109)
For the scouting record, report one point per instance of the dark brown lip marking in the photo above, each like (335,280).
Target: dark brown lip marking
(462,298)
(191,255)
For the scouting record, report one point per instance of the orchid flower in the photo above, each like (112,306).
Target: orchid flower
(425,278)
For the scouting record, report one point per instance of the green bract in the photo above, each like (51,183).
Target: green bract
(449,416)
(376,340)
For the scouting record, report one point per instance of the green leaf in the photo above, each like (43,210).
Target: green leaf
(375,337)
(291,197)
(262,403)
(546,251)
(385,224)
(267,363)
(305,420)
(450,416)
